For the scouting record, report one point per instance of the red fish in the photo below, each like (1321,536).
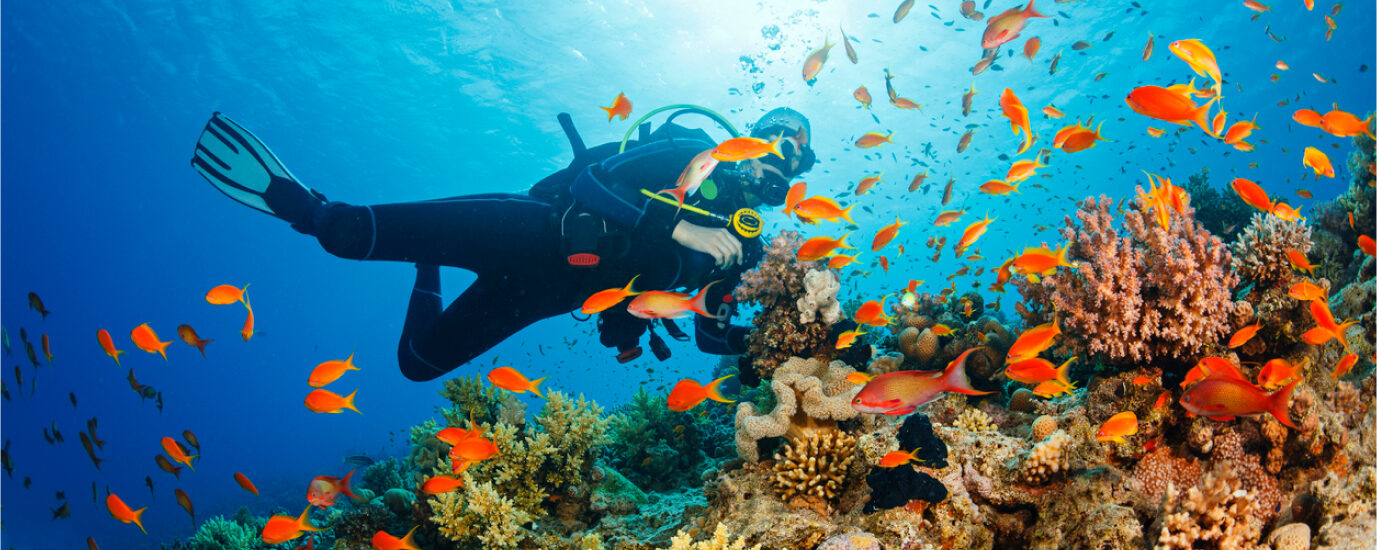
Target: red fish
(325,489)
(1344,365)
(245,484)
(688,393)
(902,392)
(1223,396)
(441,484)
(189,336)
(1278,372)
(108,345)
(1244,334)
(621,106)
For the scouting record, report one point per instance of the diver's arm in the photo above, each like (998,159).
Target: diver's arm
(612,188)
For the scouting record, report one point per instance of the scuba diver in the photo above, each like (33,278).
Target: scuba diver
(591,226)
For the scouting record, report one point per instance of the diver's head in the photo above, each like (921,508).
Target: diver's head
(767,178)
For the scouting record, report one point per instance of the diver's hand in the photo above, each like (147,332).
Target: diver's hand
(717,242)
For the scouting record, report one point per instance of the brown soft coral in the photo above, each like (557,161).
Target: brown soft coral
(777,284)
(1145,294)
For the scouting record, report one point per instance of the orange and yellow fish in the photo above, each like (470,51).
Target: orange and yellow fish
(441,484)
(605,299)
(121,511)
(688,393)
(973,233)
(1345,124)
(226,294)
(1252,194)
(1042,261)
(1244,334)
(326,401)
(383,541)
(894,459)
(660,304)
(886,234)
(1117,427)
(330,371)
(746,148)
(280,529)
(145,339)
(1163,104)
(175,452)
(1319,162)
(245,484)
(513,381)
(873,139)
(1006,26)
(1032,342)
(822,208)
(848,338)
(818,248)
(812,65)
(108,345)
(1278,372)
(1344,365)
(324,490)
(1038,370)
(621,106)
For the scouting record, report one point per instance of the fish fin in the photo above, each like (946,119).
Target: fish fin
(344,487)
(1200,116)
(304,521)
(1062,370)
(1029,12)
(1221,418)
(1279,403)
(138,519)
(846,213)
(609,110)
(954,379)
(535,386)
(903,410)
(714,391)
(628,288)
(699,302)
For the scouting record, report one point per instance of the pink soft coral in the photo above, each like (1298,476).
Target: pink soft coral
(1150,293)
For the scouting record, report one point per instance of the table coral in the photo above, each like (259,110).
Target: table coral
(1141,293)
(810,395)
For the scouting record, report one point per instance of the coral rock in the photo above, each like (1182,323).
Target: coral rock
(974,420)
(1294,536)
(1043,426)
(1259,254)
(851,541)
(1218,513)
(721,540)
(1022,400)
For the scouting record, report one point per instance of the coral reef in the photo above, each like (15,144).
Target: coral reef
(218,533)
(820,300)
(1047,459)
(1259,254)
(1221,212)
(814,468)
(661,450)
(721,540)
(810,395)
(1150,294)
(1217,513)
(777,285)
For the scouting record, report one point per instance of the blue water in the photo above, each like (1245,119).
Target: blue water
(382,102)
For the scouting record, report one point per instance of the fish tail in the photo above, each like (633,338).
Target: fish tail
(628,289)
(188,462)
(678,193)
(202,346)
(610,112)
(535,386)
(117,355)
(954,379)
(699,302)
(304,521)
(138,519)
(243,294)
(1200,116)
(345,489)
(714,390)
(774,146)
(349,402)
(1063,369)
(841,243)
(1279,402)
(1030,12)
(846,213)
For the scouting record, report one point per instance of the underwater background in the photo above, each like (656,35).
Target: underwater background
(376,102)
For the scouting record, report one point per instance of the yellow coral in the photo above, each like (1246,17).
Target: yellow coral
(1043,426)
(814,466)
(479,513)
(974,420)
(1047,458)
(721,540)
(1218,513)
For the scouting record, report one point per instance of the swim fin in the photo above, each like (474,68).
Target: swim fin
(240,165)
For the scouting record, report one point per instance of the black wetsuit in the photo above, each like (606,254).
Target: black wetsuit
(513,244)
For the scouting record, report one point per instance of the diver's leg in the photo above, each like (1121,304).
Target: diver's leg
(488,312)
(482,233)
(243,168)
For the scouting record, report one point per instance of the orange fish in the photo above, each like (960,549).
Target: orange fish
(1319,310)
(966,100)
(1319,162)
(509,379)
(121,511)
(895,459)
(1141,380)
(858,378)
(872,313)
(1059,138)
(1042,261)
(621,106)
(1038,370)
(866,183)
(1022,170)
(659,304)
(1031,47)
(330,371)
(1017,114)
(226,294)
(817,248)
(108,344)
(746,148)
(873,139)
(441,484)
(1344,124)
(1256,6)
(813,64)
(998,188)
(1032,342)
(1199,57)
(1005,27)
(1307,117)
(1277,373)
(841,260)
(1344,365)
(248,330)
(1305,194)
(1163,104)
(1155,132)
(1051,388)
(383,541)
(1118,426)
(245,484)
(973,233)
(862,95)
(1052,112)
(1299,261)
(323,490)
(902,392)
(693,176)
(326,401)
(1306,291)
(846,339)
(1366,244)
(471,449)
(189,336)
(175,452)
(1240,131)
(280,529)
(942,330)
(1224,396)
(917,181)
(1285,212)
(605,299)
(1081,140)
(1252,194)
(947,217)
(145,339)
(688,393)
(822,208)
(886,234)
(1282,66)
(1244,334)
(1162,400)
(904,103)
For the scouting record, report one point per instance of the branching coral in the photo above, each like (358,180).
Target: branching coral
(776,284)
(1218,513)
(1145,294)
(721,540)
(1047,459)
(810,395)
(1259,254)
(219,533)
(660,449)
(814,467)
(480,513)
